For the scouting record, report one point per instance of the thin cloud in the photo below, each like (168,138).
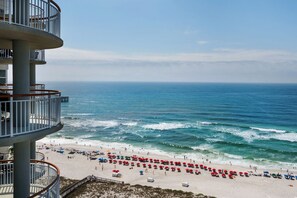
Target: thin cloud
(202,42)
(217,55)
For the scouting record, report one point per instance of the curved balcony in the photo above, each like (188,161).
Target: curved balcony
(43,15)
(44,179)
(36,56)
(29,116)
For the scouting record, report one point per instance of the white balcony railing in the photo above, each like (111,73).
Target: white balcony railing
(36,55)
(43,15)
(44,179)
(28,113)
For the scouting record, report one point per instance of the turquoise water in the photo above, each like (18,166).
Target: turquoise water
(242,123)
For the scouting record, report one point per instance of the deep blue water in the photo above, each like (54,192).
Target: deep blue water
(243,123)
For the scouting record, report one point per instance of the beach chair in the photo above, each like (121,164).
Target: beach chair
(185,184)
(150,179)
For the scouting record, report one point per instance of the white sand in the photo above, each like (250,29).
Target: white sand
(79,167)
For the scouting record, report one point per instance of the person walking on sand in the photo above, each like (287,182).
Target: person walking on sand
(102,167)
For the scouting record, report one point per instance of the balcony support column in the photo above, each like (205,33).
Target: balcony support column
(21,67)
(32,74)
(21,81)
(21,85)
(21,186)
(32,150)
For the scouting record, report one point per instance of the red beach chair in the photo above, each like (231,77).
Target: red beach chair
(178,170)
(155,166)
(197,172)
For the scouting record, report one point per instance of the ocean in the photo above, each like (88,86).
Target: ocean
(246,124)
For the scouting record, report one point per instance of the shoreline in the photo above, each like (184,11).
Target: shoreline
(236,161)
(79,166)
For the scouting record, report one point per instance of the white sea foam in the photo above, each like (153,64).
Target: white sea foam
(231,156)
(203,147)
(291,137)
(207,123)
(268,130)
(130,124)
(80,114)
(248,135)
(94,123)
(165,126)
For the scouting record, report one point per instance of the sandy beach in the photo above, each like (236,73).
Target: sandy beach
(78,166)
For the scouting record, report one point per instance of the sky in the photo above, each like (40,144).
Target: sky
(247,41)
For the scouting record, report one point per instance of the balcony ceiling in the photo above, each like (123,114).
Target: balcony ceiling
(38,39)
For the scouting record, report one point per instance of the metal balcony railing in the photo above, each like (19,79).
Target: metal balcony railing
(35,56)
(39,156)
(6,54)
(6,156)
(28,113)
(44,179)
(5,87)
(43,15)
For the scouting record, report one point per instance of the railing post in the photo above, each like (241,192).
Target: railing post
(48,14)
(9,12)
(11,116)
(49,110)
